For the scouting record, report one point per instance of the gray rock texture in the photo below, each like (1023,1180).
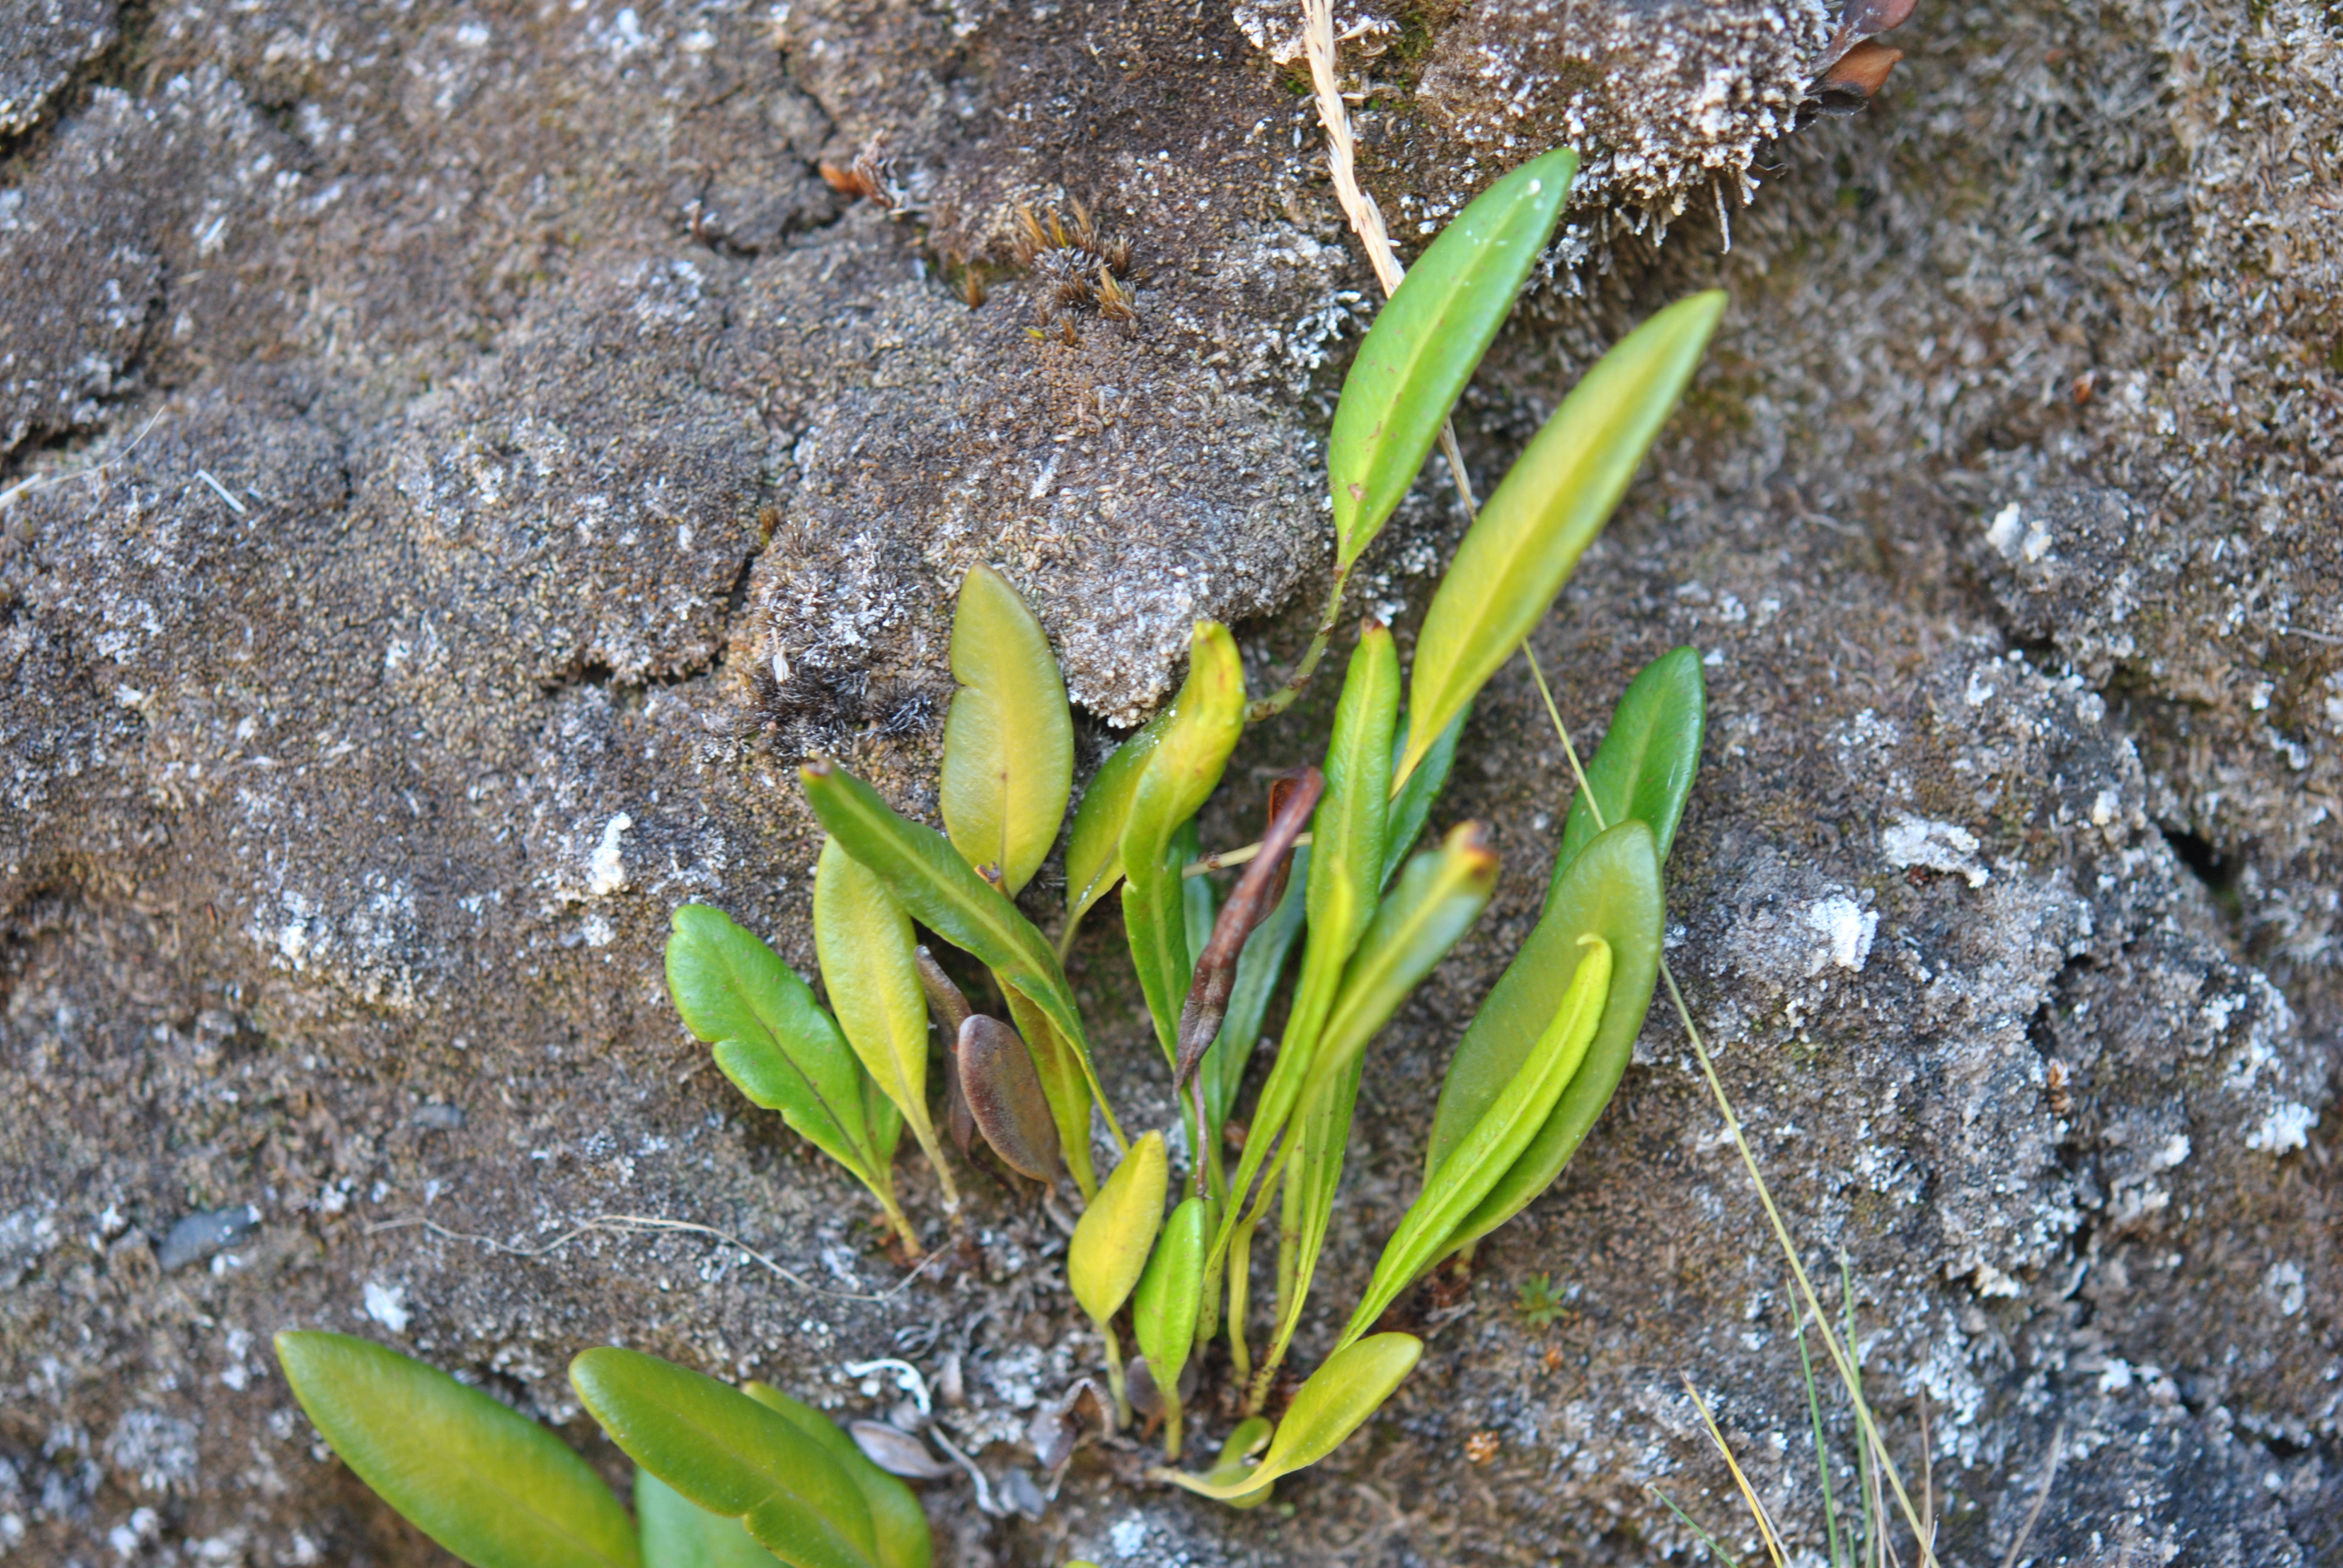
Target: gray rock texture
(457,460)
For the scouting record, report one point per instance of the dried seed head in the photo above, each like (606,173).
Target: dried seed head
(1005,1099)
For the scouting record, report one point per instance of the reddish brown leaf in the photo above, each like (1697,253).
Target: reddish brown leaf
(1004,1096)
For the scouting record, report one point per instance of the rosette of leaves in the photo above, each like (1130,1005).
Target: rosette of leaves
(1337,891)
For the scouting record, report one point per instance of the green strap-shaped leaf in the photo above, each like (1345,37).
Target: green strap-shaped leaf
(677,1533)
(1346,868)
(1170,1293)
(1347,834)
(1437,899)
(1009,742)
(731,1455)
(870,966)
(1486,1152)
(487,1483)
(1547,510)
(896,1516)
(930,880)
(1199,900)
(1412,803)
(1115,1235)
(772,1039)
(1425,343)
(1611,890)
(1181,772)
(1333,1404)
(1320,1133)
(1644,769)
(1095,846)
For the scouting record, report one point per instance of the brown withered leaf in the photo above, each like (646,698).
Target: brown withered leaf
(1057,1427)
(897,1451)
(1255,896)
(1848,85)
(949,1009)
(1004,1096)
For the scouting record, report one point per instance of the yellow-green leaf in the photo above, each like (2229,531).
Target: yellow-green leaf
(1181,771)
(870,966)
(1609,890)
(1412,802)
(1009,741)
(930,880)
(1333,1404)
(485,1483)
(677,1533)
(1095,846)
(1233,1463)
(731,1455)
(1170,1293)
(1346,877)
(1346,838)
(896,1516)
(1115,1235)
(1547,511)
(772,1039)
(1422,348)
(1438,898)
(1490,1147)
(1645,768)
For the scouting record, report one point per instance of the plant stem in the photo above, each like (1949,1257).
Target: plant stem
(1278,701)
(1822,1454)
(1240,1275)
(896,1217)
(1120,1417)
(1223,859)
(1840,1359)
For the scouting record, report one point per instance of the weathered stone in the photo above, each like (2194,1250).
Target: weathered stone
(502,454)
(41,43)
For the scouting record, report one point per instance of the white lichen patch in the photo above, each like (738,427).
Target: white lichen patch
(1933,846)
(387,1304)
(607,872)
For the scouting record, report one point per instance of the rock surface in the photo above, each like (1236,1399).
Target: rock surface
(459,459)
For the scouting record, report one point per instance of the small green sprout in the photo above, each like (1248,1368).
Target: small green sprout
(1537,1304)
